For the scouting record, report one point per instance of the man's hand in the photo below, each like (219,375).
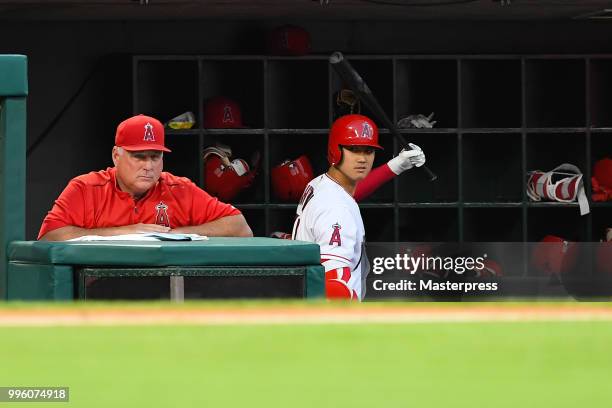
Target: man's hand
(228,226)
(407,159)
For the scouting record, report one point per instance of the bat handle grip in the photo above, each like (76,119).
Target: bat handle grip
(432,176)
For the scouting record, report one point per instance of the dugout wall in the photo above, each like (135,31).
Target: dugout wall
(13,92)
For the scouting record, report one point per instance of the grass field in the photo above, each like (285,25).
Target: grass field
(542,362)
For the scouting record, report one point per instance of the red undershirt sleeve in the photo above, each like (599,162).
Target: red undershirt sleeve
(373,181)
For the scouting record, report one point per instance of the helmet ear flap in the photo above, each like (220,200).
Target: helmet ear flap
(335,156)
(341,156)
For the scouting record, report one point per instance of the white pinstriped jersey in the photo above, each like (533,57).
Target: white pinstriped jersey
(329,216)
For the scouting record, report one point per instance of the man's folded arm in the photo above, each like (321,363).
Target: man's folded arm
(228,226)
(70,232)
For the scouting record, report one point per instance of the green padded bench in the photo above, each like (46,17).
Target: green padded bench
(215,268)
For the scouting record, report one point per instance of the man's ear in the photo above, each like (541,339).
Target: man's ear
(115,154)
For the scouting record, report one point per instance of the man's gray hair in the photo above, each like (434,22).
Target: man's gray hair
(120,151)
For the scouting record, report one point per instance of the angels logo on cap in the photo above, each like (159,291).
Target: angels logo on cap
(148,135)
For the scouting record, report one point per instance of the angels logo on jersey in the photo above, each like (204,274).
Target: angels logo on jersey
(161,218)
(335,236)
(148,134)
(227,115)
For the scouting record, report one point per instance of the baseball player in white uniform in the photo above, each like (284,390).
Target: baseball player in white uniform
(328,213)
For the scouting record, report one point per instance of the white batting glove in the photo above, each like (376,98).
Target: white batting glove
(407,159)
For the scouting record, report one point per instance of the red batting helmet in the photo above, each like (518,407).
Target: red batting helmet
(350,130)
(289,40)
(602,171)
(553,255)
(222,113)
(224,178)
(602,180)
(289,179)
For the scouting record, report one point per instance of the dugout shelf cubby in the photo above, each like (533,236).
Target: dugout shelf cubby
(600,99)
(243,79)
(427,86)
(555,91)
(491,93)
(498,117)
(297,92)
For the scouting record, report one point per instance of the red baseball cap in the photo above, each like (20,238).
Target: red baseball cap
(222,113)
(141,133)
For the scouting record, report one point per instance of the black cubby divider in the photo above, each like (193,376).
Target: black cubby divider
(498,116)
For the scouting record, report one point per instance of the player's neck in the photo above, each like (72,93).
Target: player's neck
(121,186)
(343,180)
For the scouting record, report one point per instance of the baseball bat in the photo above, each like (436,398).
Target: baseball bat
(352,78)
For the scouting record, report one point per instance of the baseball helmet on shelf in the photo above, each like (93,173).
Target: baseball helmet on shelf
(225,178)
(553,255)
(602,180)
(350,130)
(289,179)
(288,40)
(221,112)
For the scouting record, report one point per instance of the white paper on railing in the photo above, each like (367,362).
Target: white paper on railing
(145,236)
